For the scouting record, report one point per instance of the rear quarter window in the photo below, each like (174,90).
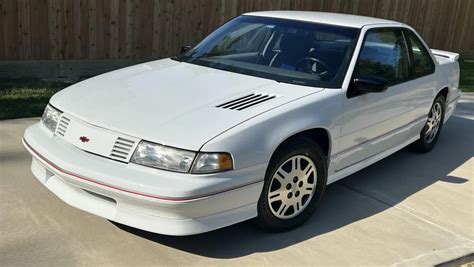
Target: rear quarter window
(422,62)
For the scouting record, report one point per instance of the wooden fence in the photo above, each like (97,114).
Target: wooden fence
(147,29)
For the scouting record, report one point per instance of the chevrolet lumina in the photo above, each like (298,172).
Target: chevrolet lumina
(253,122)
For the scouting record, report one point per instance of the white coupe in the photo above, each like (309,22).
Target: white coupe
(253,122)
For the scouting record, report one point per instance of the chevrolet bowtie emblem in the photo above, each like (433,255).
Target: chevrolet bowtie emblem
(84,139)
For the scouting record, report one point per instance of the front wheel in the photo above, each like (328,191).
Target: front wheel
(430,134)
(293,187)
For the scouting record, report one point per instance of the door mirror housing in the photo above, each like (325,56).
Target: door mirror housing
(185,48)
(370,84)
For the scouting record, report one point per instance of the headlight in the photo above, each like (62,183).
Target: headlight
(163,157)
(51,117)
(212,162)
(180,160)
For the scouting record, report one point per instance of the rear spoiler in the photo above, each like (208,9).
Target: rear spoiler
(446,54)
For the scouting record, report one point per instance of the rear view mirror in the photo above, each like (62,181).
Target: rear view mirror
(370,84)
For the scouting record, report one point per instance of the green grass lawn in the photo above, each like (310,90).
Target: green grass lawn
(28,98)
(466,82)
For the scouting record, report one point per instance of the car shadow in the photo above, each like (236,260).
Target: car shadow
(361,195)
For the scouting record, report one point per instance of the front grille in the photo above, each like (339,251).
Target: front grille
(247,101)
(122,149)
(62,126)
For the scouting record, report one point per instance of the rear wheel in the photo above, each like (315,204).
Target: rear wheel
(430,134)
(294,184)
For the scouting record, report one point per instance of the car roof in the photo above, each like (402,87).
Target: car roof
(325,17)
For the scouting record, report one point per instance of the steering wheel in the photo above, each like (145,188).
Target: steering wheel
(310,65)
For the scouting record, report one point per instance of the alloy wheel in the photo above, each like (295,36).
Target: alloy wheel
(434,122)
(292,187)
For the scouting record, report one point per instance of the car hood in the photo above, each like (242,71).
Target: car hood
(172,103)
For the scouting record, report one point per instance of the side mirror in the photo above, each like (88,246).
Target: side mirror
(370,84)
(185,48)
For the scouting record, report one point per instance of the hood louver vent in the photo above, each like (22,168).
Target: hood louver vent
(247,101)
(62,126)
(122,149)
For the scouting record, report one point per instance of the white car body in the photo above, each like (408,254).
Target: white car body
(175,104)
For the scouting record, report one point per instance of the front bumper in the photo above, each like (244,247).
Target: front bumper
(154,200)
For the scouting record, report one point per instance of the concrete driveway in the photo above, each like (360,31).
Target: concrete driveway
(409,209)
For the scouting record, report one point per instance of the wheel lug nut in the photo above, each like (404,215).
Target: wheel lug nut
(295,179)
(290,195)
(288,186)
(297,193)
(300,184)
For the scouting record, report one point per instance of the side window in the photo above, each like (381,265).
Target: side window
(422,62)
(384,54)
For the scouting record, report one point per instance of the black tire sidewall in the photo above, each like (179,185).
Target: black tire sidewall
(299,146)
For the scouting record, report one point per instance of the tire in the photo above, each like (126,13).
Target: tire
(430,134)
(297,197)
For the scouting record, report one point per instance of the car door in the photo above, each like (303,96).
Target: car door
(374,122)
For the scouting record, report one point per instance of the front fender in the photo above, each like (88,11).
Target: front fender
(254,141)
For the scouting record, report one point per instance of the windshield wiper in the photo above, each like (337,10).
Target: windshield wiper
(298,82)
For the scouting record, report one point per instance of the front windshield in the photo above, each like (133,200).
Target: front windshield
(290,51)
